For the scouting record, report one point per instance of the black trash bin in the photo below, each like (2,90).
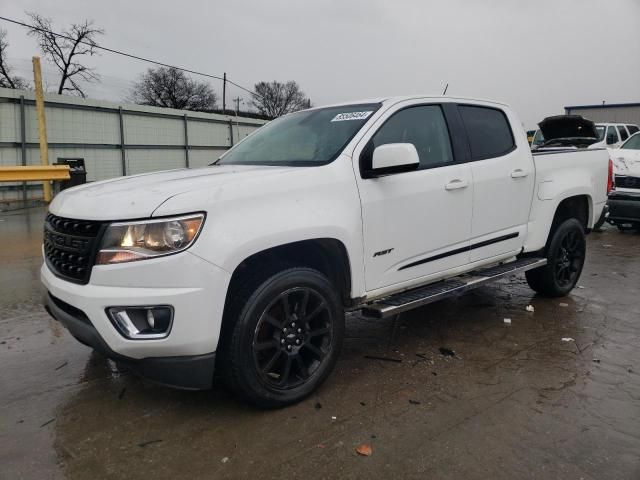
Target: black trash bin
(77,172)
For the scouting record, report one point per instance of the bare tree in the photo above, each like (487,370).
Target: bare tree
(64,50)
(172,88)
(7,79)
(275,99)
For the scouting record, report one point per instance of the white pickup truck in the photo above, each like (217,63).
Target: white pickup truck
(249,265)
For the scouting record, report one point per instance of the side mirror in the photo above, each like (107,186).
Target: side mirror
(611,139)
(393,158)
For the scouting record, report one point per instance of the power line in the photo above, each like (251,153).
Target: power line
(124,54)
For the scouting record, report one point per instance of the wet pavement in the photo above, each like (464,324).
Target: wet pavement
(516,401)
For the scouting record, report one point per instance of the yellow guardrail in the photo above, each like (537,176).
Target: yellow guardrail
(34,173)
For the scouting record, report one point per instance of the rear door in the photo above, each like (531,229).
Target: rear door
(503,180)
(416,224)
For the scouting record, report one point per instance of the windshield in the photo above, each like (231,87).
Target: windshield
(307,138)
(633,143)
(538,139)
(600,131)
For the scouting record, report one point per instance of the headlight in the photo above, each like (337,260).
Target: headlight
(131,241)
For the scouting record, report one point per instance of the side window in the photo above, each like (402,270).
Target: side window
(632,129)
(623,133)
(488,131)
(612,135)
(423,126)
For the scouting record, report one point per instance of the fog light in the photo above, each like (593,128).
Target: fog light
(142,323)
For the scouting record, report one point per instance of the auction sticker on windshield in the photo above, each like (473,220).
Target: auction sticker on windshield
(341,117)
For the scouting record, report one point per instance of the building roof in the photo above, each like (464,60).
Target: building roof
(602,105)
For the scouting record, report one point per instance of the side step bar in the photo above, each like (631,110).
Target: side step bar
(417,297)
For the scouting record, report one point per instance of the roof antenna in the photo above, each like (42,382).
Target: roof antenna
(445,89)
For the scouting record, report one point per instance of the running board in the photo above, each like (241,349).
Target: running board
(417,297)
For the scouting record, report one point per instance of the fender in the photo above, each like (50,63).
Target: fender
(305,203)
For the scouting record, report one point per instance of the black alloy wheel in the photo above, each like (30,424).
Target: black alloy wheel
(292,338)
(565,252)
(281,335)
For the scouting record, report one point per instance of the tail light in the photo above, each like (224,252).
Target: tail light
(610,182)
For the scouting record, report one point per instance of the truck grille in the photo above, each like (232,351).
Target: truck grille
(622,181)
(70,246)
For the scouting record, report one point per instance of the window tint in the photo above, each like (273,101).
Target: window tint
(488,131)
(623,133)
(425,128)
(632,129)
(612,135)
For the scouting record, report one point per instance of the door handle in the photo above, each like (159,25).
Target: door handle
(519,173)
(456,184)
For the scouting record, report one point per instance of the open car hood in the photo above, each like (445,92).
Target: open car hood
(568,127)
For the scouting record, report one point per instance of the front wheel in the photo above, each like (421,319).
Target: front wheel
(286,336)
(565,259)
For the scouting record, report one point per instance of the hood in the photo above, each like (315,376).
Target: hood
(140,195)
(565,127)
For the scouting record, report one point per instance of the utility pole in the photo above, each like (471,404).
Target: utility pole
(237,101)
(42,124)
(224,93)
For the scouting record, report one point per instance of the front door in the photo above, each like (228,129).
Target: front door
(416,224)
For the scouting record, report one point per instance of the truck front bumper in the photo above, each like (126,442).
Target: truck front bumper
(195,289)
(624,207)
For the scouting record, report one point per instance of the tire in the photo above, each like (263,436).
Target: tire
(283,337)
(565,259)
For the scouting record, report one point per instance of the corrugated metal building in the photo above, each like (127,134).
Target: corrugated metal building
(608,113)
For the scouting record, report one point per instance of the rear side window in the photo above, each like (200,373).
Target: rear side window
(632,129)
(488,131)
(623,133)
(423,126)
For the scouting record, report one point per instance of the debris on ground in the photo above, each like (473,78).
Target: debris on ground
(61,365)
(596,360)
(321,445)
(567,339)
(149,442)
(364,449)
(530,308)
(580,286)
(607,245)
(121,394)
(363,404)
(384,359)
(507,321)
(334,418)
(447,352)
(434,373)
(563,304)
(317,406)
(47,422)
(414,402)
(224,459)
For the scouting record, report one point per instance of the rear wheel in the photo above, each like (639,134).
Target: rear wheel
(286,336)
(565,259)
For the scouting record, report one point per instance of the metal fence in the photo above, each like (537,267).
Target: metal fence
(113,139)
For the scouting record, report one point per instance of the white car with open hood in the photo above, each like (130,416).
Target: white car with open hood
(247,266)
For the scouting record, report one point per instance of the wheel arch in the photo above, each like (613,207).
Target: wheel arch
(327,255)
(579,207)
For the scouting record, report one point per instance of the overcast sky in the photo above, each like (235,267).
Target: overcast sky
(537,55)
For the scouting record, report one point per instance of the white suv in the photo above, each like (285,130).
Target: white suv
(612,135)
